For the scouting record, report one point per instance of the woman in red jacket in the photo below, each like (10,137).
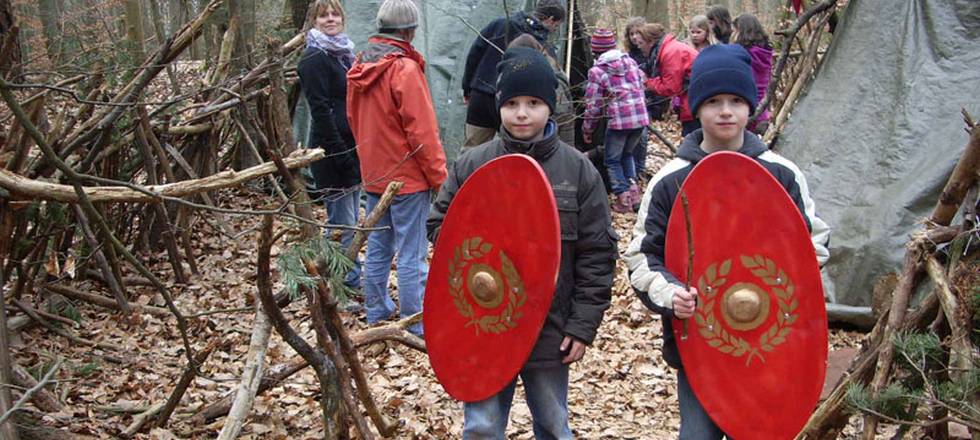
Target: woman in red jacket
(673,60)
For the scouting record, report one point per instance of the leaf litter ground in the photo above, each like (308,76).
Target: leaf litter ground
(621,389)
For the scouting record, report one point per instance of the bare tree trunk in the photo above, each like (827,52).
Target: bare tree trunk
(134,28)
(7,430)
(50,11)
(9,49)
(161,36)
(293,15)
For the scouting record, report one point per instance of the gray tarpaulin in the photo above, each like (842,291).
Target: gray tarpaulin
(879,131)
(444,39)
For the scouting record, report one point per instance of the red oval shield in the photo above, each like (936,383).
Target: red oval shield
(755,350)
(492,276)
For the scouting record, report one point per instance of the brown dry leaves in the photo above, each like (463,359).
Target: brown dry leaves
(621,388)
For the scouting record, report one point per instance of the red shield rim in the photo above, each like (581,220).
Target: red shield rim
(763,379)
(502,225)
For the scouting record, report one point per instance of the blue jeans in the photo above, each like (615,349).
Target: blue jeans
(619,157)
(547,398)
(342,209)
(695,422)
(406,236)
(640,153)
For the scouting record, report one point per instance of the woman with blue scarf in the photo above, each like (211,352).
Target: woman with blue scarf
(322,69)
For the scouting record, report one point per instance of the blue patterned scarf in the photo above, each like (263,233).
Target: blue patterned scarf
(338,45)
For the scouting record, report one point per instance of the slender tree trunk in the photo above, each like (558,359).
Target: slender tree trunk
(134,29)
(50,12)
(293,15)
(7,430)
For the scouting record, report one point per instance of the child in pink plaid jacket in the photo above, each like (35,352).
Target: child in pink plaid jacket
(615,88)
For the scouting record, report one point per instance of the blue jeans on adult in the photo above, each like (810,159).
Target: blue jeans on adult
(619,157)
(696,424)
(342,209)
(547,398)
(405,235)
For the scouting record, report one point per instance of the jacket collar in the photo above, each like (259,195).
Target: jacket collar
(540,150)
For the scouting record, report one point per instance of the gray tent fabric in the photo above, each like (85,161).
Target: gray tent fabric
(444,38)
(879,131)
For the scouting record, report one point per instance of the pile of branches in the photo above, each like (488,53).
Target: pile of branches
(921,368)
(114,177)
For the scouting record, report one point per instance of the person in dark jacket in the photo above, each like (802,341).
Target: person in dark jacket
(526,97)
(722,95)
(479,75)
(322,71)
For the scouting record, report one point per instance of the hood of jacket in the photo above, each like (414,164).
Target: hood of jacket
(613,62)
(382,50)
(690,149)
(529,25)
(540,149)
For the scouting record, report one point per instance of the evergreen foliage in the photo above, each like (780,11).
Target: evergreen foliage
(328,255)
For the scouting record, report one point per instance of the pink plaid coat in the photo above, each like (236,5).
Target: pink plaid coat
(615,88)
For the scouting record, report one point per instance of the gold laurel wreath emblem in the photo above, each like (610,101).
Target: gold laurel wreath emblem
(468,251)
(716,336)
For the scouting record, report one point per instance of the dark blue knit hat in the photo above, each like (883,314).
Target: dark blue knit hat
(525,72)
(722,68)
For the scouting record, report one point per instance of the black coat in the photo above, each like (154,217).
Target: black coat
(481,61)
(588,241)
(324,81)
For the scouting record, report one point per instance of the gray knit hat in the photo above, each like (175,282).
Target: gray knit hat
(398,14)
(551,8)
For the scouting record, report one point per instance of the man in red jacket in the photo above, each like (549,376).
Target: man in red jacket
(391,115)
(673,59)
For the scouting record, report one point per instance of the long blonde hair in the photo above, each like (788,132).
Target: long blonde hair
(320,7)
(701,22)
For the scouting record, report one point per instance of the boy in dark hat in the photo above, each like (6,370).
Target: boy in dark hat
(722,96)
(525,99)
(479,75)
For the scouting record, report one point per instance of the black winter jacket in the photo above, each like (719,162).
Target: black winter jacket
(588,242)
(324,81)
(482,59)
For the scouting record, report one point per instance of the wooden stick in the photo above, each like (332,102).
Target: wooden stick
(43,399)
(38,190)
(29,393)
(325,369)
(831,416)
(962,179)
(102,301)
(251,376)
(372,219)
(108,273)
(185,380)
(397,331)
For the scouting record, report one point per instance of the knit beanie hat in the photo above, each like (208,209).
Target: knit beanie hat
(397,14)
(525,72)
(603,40)
(722,68)
(550,8)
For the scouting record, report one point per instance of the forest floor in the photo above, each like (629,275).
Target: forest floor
(621,389)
